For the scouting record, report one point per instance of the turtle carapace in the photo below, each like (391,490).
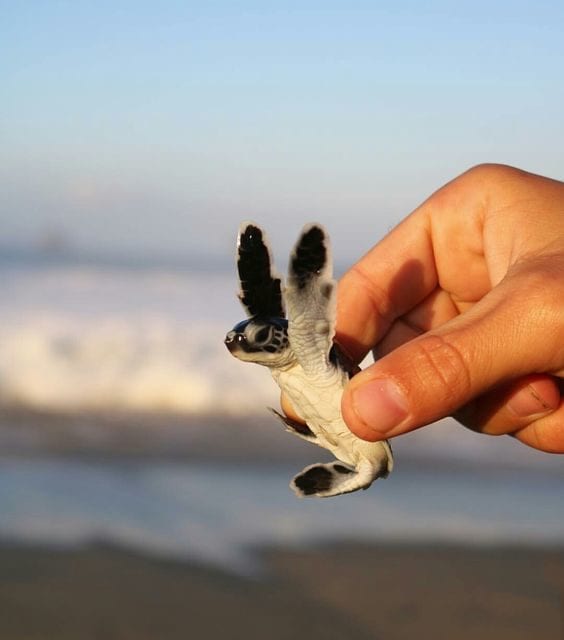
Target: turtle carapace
(290,330)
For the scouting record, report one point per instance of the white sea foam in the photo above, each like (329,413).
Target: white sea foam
(74,339)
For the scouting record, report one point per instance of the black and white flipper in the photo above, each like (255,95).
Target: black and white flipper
(260,286)
(311,300)
(328,479)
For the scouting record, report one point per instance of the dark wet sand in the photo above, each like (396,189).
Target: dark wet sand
(341,592)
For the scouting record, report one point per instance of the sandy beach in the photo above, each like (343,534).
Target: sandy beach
(346,591)
(158,485)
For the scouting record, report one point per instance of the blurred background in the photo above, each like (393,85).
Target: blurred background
(137,461)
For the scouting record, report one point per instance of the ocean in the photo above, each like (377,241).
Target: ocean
(124,420)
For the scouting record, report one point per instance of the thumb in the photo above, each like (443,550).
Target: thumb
(501,338)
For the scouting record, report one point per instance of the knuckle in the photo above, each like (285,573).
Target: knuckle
(377,297)
(491,172)
(541,282)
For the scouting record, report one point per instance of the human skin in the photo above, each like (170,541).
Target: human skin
(463,305)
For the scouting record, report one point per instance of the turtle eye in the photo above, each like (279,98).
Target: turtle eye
(262,335)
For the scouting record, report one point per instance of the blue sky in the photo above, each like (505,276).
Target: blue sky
(156,128)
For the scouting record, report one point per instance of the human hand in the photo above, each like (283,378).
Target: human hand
(463,303)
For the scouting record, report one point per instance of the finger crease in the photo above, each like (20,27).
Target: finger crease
(378,297)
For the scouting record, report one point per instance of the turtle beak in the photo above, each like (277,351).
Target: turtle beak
(230,341)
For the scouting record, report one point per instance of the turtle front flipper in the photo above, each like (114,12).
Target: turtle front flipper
(311,300)
(260,287)
(324,480)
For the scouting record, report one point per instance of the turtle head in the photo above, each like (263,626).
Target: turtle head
(261,340)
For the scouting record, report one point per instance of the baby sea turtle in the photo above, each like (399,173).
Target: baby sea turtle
(302,357)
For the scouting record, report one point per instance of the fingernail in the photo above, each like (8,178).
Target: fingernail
(529,402)
(380,405)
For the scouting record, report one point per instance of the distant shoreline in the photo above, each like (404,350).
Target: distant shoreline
(148,435)
(258,439)
(71,256)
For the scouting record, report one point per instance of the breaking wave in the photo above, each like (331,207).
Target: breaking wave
(80,339)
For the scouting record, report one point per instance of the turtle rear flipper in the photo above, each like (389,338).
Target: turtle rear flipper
(324,480)
(311,300)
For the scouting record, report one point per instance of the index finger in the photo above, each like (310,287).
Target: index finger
(392,278)
(439,245)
